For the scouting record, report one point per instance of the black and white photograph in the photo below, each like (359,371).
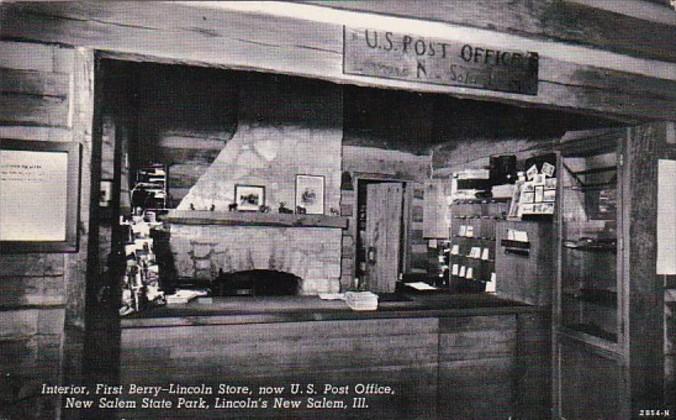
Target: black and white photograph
(249,197)
(338,209)
(310,193)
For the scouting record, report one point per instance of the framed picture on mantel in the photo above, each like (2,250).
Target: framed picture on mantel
(249,197)
(310,193)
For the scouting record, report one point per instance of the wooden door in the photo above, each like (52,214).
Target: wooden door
(383,235)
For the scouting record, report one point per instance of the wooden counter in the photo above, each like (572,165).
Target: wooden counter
(446,356)
(246,310)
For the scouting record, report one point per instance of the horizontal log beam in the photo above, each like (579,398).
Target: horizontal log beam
(34,82)
(568,21)
(230,35)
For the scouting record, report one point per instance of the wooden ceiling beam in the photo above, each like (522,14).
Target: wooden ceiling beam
(267,37)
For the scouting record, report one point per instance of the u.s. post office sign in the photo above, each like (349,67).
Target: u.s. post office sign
(391,55)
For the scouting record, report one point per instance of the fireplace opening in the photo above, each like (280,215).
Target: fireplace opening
(256,283)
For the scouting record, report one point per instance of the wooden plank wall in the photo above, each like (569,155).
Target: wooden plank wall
(477,357)
(570,76)
(45,95)
(401,353)
(533,373)
(462,367)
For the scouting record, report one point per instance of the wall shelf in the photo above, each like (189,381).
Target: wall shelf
(196,217)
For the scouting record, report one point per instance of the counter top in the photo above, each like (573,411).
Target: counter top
(268,309)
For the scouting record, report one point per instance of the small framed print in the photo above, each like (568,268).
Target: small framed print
(249,197)
(531,172)
(310,193)
(548,169)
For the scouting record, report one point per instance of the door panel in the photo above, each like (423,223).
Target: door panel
(383,235)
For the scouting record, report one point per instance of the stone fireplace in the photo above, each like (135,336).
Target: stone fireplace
(286,127)
(313,254)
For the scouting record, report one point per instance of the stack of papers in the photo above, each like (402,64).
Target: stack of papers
(332,296)
(184,296)
(419,285)
(361,301)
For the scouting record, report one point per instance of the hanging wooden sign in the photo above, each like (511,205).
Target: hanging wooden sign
(392,55)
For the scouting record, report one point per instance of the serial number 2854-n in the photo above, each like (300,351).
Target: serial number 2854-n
(654,413)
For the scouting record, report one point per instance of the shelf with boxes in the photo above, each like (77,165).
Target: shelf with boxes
(472,255)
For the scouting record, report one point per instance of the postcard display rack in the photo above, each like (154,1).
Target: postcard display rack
(472,254)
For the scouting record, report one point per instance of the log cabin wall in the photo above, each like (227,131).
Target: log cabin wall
(47,95)
(494,129)
(176,115)
(624,70)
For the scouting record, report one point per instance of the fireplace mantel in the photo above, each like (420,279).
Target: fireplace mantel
(197,217)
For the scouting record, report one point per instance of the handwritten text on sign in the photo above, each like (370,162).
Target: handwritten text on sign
(398,56)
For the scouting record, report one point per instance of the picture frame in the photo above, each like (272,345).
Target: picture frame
(39,196)
(310,193)
(249,197)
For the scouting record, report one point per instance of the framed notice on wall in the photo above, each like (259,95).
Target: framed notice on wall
(39,196)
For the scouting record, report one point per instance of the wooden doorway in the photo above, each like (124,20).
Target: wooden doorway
(380,233)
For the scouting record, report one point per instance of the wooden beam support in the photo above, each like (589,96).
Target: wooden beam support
(267,37)
(575,22)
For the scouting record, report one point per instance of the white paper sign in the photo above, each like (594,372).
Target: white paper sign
(490,286)
(666,217)
(484,255)
(33,195)
(469,232)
